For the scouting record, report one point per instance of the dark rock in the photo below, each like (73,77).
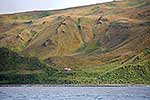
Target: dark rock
(47,42)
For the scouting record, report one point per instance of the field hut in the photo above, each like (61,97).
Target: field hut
(67,69)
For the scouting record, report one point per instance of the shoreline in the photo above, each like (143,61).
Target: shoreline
(73,85)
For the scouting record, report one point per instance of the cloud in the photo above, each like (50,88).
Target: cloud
(82,2)
(11,6)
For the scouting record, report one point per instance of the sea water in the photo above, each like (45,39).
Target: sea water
(74,93)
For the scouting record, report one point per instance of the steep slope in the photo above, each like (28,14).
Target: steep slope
(138,74)
(90,40)
(17,69)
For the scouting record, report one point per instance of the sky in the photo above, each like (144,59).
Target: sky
(13,6)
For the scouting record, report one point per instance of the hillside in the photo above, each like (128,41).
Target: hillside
(17,69)
(101,43)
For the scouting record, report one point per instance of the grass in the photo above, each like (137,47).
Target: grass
(135,3)
(130,74)
(95,52)
(16,69)
(89,47)
(111,5)
(43,14)
(147,51)
(28,16)
(92,47)
(108,74)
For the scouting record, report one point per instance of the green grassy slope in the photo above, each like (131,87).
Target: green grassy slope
(104,43)
(130,74)
(17,69)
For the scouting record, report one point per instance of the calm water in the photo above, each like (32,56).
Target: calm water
(74,93)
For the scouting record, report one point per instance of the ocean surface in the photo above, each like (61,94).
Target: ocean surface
(74,93)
